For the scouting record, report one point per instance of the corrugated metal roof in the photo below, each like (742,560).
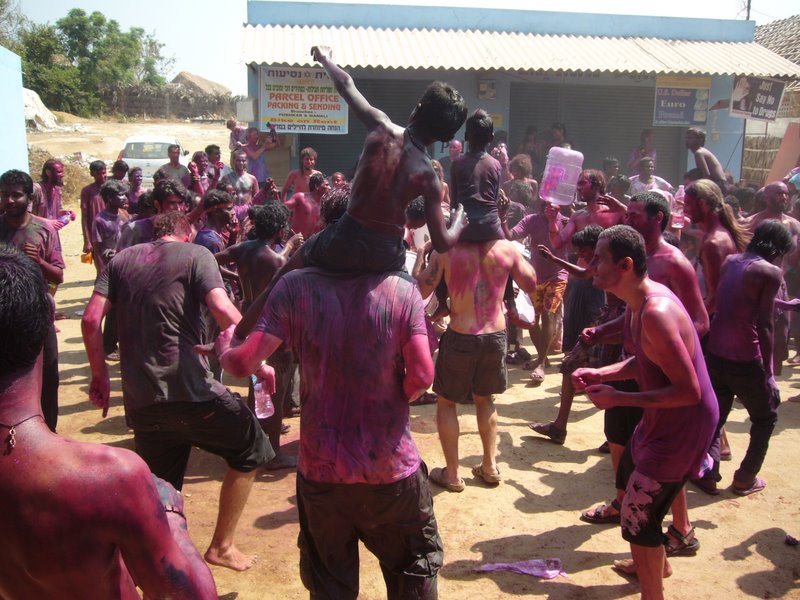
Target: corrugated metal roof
(782,37)
(500,51)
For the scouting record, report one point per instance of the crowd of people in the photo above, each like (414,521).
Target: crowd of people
(367,294)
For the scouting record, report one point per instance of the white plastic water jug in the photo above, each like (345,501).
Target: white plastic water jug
(561,174)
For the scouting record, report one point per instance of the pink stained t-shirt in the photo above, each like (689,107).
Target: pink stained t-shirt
(348,332)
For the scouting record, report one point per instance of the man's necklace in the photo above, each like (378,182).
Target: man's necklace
(11,440)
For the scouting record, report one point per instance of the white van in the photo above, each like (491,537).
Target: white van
(149,152)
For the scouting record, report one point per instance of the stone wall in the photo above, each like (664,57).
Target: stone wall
(171,101)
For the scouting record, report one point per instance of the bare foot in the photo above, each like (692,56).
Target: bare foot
(628,567)
(231,558)
(281,461)
(537,375)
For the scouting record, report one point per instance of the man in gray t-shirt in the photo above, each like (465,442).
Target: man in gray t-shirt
(172,401)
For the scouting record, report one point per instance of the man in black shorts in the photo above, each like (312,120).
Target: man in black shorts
(680,410)
(471,364)
(172,401)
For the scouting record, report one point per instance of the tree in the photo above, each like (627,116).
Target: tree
(152,64)
(70,63)
(47,70)
(12,22)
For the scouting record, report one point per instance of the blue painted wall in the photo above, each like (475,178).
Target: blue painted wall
(264,12)
(14,149)
(724,134)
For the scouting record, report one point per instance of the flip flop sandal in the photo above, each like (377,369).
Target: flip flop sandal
(513,358)
(490,478)
(709,486)
(426,398)
(599,515)
(681,545)
(756,486)
(437,476)
(523,354)
(550,431)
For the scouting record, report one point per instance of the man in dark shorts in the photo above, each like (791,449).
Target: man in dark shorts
(359,475)
(172,402)
(740,348)
(680,409)
(648,214)
(36,237)
(79,520)
(471,364)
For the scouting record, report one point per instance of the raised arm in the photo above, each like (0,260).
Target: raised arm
(370,116)
(613,204)
(571,268)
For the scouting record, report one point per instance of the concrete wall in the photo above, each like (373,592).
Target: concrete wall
(169,101)
(14,149)
(263,12)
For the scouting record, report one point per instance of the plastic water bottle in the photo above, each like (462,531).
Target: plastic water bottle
(561,174)
(263,400)
(677,209)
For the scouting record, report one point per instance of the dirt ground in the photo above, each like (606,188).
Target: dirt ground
(532,514)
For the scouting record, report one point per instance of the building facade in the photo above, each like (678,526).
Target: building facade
(597,74)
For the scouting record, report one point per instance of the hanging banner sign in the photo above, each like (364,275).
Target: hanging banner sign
(300,100)
(681,100)
(756,98)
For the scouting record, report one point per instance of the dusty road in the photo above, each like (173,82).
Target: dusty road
(532,514)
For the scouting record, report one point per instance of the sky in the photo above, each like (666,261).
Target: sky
(203,35)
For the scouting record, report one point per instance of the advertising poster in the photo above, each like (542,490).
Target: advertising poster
(300,100)
(681,100)
(756,98)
